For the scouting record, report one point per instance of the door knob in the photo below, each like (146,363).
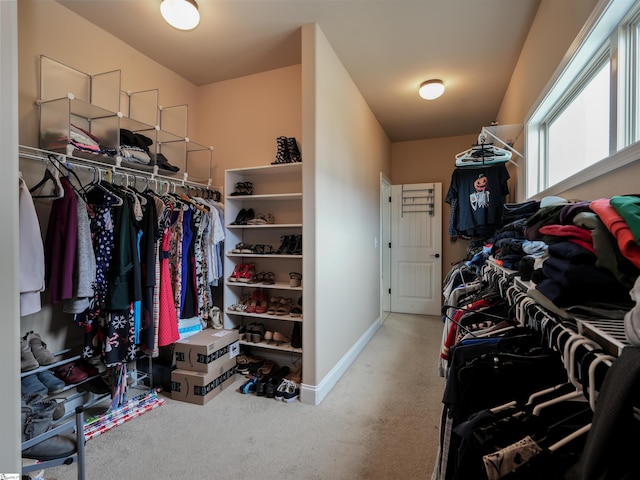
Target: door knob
(437,255)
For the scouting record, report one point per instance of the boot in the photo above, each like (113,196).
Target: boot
(282,155)
(292,149)
(41,402)
(39,349)
(37,418)
(27,360)
(296,335)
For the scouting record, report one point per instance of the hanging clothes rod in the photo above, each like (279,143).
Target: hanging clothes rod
(46,155)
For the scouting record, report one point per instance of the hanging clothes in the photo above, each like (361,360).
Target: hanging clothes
(478,195)
(32,263)
(60,244)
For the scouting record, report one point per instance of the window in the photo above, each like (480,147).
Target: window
(587,116)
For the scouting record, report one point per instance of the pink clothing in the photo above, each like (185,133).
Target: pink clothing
(168,321)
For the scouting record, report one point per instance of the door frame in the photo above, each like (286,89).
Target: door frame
(385,252)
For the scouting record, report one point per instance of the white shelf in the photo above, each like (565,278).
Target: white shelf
(276,286)
(268,169)
(266,316)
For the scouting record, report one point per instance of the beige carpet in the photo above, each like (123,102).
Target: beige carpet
(380,422)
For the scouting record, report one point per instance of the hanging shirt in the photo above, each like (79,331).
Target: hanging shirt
(31,253)
(480,196)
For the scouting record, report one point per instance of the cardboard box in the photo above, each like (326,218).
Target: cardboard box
(205,351)
(200,387)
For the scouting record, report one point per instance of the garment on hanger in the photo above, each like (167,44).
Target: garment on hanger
(32,258)
(479,194)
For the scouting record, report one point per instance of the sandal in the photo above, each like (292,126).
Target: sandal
(269,278)
(273,306)
(297,310)
(262,249)
(246,273)
(295,279)
(261,219)
(284,308)
(257,278)
(236,271)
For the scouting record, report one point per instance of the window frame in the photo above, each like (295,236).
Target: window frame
(613,30)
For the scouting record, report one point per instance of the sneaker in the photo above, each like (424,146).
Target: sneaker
(291,393)
(250,385)
(27,360)
(32,386)
(49,380)
(279,395)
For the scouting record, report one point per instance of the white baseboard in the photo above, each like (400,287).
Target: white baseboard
(314,394)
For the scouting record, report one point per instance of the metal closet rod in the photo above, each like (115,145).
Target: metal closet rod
(116,169)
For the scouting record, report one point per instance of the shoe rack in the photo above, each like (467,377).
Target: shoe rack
(275,194)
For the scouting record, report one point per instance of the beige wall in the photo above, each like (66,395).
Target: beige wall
(433,160)
(243,117)
(553,31)
(47,28)
(345,151)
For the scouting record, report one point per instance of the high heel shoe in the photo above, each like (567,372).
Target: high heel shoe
(283,249)
(292,149)
(240,217)
(282,155)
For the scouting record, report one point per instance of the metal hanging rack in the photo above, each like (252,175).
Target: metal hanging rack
(116,168)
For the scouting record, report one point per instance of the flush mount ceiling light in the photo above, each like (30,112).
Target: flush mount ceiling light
(431,89)
(180,14)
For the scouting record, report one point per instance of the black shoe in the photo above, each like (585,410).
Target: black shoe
(275,380)
(292,149)
(240,217)
(282,155)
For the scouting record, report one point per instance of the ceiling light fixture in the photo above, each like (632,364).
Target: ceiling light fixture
(431,89)
(180,14)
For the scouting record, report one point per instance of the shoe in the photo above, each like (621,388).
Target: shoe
(280,338)
(246,363)
(269,278)
(273,305)
(296,245)
(256,332)
(31,385)
(292,391)
(39,349)
(250,215)
(240,217)
(70,373)
(284,248)
(275,380)
(51,382)
(282,387)
(263,302)
(27,360)
(262,219)
(282,154)
(236,271)
(249,386)
(284,308)
(296,335)
(295,279)
(99,386)
(292,150)
(246,273)
(243,188)
(253,304)
(297,310)
(85,366)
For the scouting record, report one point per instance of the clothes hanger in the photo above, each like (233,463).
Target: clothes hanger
(482,154)
(98,184)
(49,176)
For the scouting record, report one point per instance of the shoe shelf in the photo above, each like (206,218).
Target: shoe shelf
(274,196)
(277,285)
(262,255)
(274,190)
(271,225)
(282,347)
(288,318)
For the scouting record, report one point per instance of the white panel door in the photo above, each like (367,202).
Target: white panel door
(416,248)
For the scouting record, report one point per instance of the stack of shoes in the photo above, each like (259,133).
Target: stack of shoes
(288,151)
(243,188)
(37,417)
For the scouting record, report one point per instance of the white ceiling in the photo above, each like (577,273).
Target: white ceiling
(387,46)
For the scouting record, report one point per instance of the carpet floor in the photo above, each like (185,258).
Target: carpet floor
(380,421)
